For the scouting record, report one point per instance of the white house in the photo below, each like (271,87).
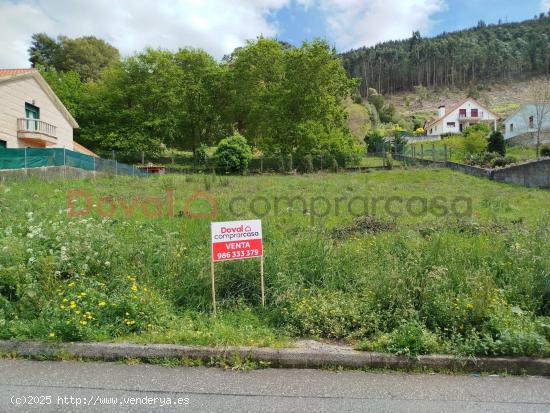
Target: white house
(31,115)
(522,125)
(455,120)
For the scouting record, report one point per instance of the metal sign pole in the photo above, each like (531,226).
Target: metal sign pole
(262,279)
(214,309)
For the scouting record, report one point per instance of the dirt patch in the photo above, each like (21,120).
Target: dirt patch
(363,225)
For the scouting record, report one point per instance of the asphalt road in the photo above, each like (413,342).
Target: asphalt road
(109,387)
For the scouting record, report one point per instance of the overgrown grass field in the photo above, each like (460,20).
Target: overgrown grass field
(463,269)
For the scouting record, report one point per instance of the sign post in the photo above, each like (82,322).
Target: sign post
(237,240)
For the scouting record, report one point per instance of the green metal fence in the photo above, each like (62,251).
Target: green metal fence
(45,157)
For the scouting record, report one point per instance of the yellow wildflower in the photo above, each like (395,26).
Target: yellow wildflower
(134,287)
(71,285)
(51,335)
(83,322)
(102,304)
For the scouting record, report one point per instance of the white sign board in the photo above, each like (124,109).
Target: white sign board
(236,240)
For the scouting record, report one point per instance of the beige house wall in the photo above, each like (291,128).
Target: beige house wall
(13,95)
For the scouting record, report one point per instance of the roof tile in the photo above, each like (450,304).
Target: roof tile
(12,72)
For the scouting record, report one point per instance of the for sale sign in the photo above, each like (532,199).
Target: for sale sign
(236,240)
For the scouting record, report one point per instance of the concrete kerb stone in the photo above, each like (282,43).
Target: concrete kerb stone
(283,358)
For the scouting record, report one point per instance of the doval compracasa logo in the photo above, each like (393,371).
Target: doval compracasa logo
(236,240)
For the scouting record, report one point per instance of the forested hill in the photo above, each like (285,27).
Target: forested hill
(485,53)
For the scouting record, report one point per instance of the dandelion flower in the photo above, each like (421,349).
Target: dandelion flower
(102,304)
(51,335)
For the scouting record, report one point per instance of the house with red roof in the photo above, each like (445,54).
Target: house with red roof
(461,116)
(31,115)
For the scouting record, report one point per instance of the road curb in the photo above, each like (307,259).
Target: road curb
(283,358)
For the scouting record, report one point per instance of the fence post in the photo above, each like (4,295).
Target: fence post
(433,152)
(116,168)
(321,163)
(446,154)
(262,165)
(422,151)
(142,157)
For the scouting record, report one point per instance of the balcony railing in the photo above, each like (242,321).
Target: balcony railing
(26,125)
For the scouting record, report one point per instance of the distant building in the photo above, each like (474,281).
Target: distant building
(521,126)
(31,115)
(467,113)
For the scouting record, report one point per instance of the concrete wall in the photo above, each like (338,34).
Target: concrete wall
(469,169)
(13,95)
(46,173)
(531,174)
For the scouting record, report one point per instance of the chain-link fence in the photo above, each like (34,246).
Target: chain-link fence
(27,158)
(187,163)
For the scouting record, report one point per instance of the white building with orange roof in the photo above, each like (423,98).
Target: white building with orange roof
(31,115)
(467,113)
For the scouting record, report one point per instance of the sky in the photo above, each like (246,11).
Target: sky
(218,26)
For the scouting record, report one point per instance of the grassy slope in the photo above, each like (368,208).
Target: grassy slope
(366,286)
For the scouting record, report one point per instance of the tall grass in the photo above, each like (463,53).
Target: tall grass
(468,285)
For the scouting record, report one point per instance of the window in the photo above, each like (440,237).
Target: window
(511,127)
(474,113)
(32,113)
(3,144)
(531,122)
(451,124)
(462,113)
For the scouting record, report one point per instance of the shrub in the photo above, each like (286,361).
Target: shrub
(475,142)
(496,143)
(332,315)
(335,165)
(503,161)
(374,140)
(545,151)
(200,157)
(233,154)
(411,338)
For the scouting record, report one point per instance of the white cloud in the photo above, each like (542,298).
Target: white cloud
(356,23)
(217,26)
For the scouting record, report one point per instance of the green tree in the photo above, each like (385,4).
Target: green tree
(44,51)
(201,96)
(88,56)
(496,143)
(68,87)
(255,75)
(135,106)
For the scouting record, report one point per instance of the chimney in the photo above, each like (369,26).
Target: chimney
(441,111)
